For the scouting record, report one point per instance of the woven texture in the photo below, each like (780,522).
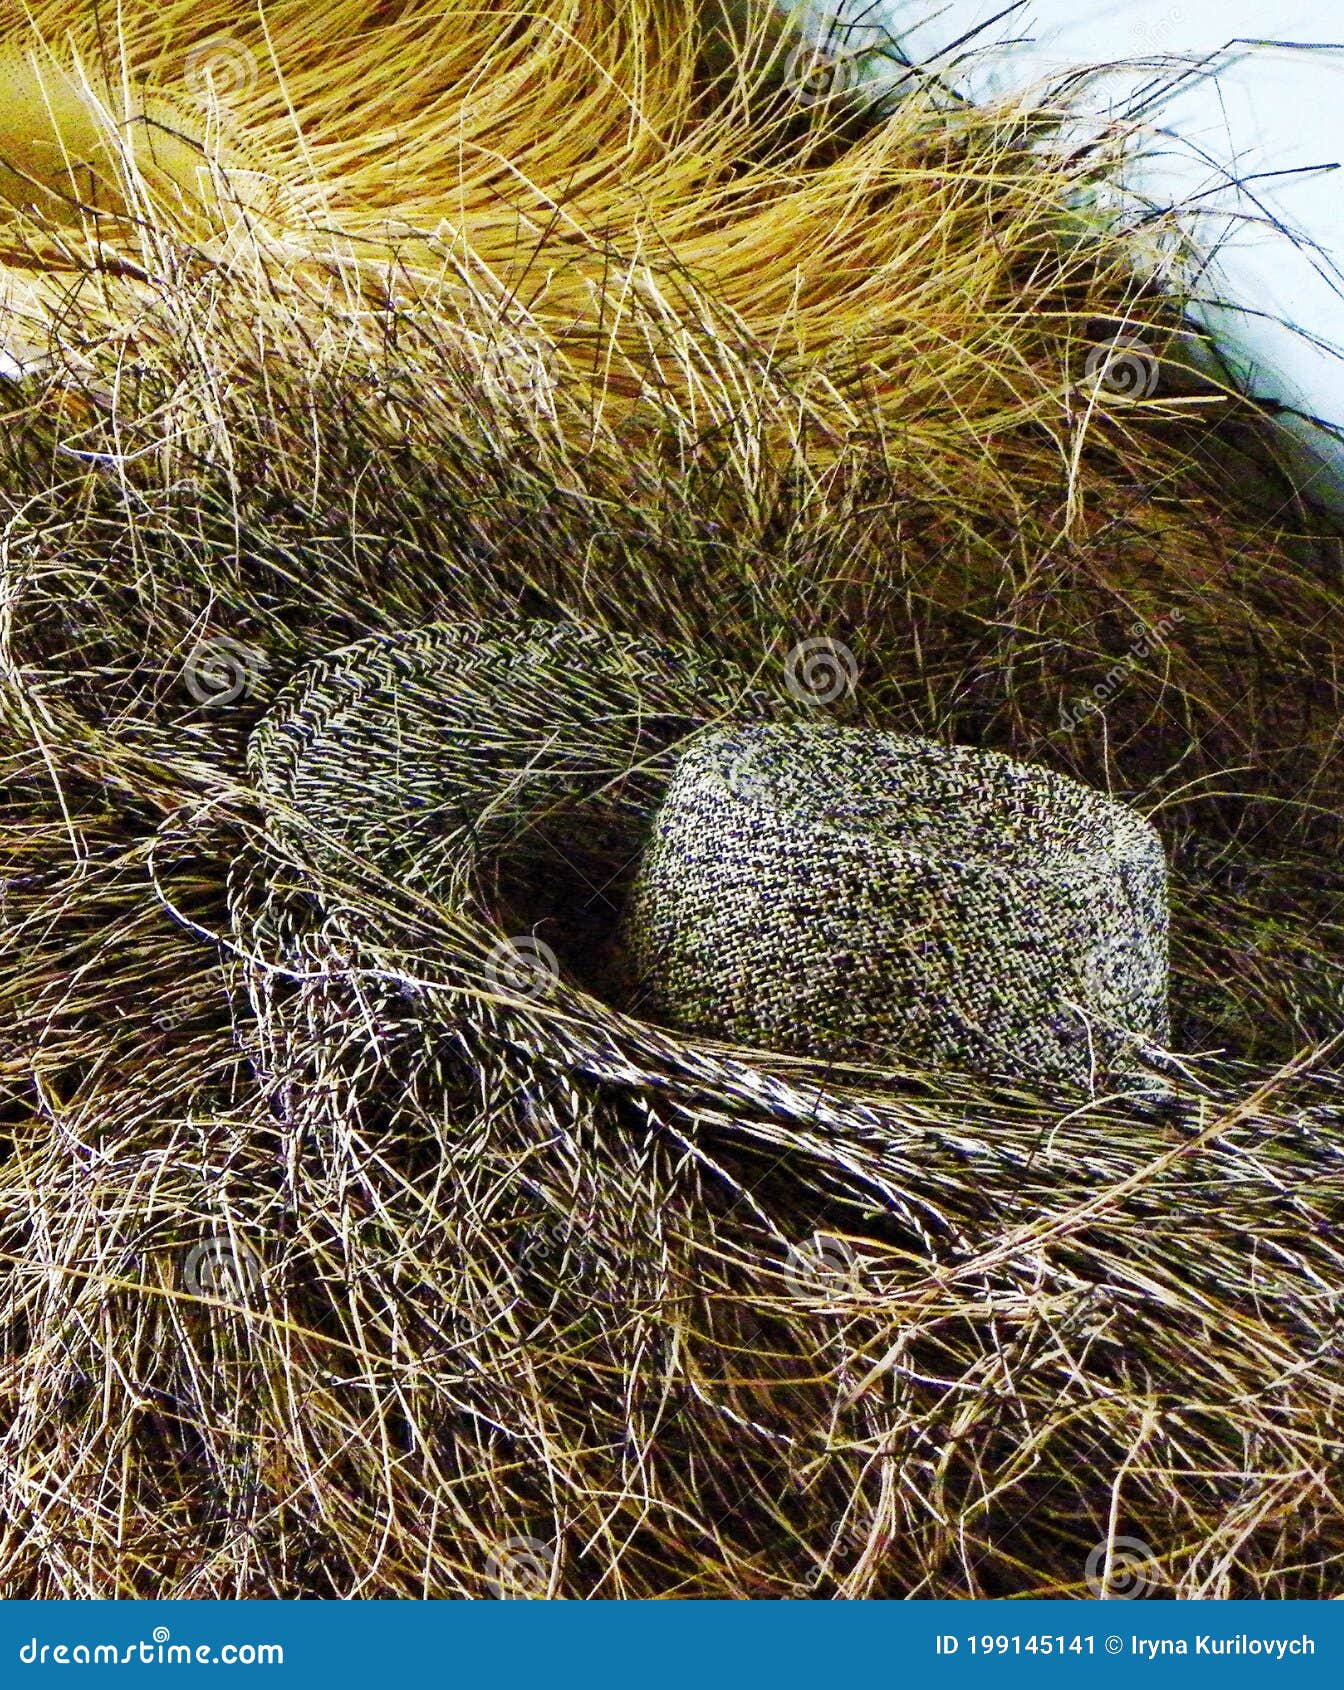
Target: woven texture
(621,812)
(861,896)
(507,772)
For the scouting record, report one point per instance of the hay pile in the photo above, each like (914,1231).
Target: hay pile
(343,1252)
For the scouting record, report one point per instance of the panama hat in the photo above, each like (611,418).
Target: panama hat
(653,881)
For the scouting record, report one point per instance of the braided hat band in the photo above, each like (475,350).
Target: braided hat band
(424,752)
(863,896)
(506,770)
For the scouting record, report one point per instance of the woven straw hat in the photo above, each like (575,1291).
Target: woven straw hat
(618,813)
(860,896)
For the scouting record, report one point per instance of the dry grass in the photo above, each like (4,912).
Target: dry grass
(574,312)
